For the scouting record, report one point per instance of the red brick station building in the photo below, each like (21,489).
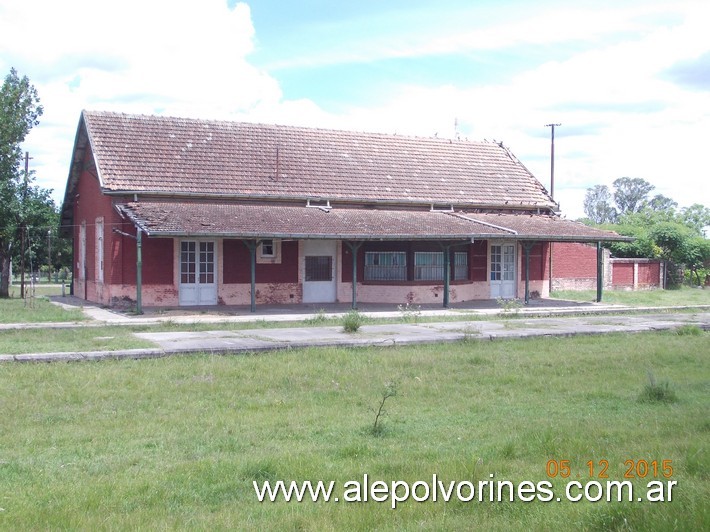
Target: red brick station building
(181,212)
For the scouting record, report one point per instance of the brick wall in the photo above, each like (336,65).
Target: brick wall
(636,274)
(574,266)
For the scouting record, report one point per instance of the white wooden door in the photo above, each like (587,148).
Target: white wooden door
(319,271)
(198,279)
(503,271)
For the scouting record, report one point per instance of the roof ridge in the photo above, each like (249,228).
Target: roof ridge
(314,129)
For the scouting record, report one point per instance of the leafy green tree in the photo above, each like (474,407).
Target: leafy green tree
(631,194)
(661,203)
(19,113)
(39,216)
(597,205)
(696,216)
(695,254)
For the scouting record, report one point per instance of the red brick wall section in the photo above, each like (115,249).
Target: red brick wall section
(157,260)
(237,266)
(571,260)
(478,260)
(90,204)
(126,253)
(623,275)
(649,273)
(539,263)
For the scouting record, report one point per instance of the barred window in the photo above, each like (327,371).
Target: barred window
(319,268)
(429,266)
(460,266)
(385,266)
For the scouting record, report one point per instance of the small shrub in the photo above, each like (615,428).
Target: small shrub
(469,334)
(390,390)
(352,321)
(689,330)
(657,392)
(317,319)
(410,312)
(509,306)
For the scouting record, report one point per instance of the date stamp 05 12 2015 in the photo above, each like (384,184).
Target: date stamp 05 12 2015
(655,470)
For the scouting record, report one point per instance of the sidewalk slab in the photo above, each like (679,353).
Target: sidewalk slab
(263,339)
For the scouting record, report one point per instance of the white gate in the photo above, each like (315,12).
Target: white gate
(319,282)
(503,271)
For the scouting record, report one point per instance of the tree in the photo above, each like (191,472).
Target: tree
(39,216)
(597,205)
(19,113)
(631,194)
(695,254)
(660,203)
(696,216)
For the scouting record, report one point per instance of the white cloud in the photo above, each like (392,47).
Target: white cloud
(189,58)
(638,124)
(180,58)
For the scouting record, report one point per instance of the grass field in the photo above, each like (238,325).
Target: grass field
(653,298)
(177,442)
(35,310)
(76,339)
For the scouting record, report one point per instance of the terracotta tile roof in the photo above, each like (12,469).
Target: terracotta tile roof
(278,221)
(192,218)
(547,227)
(138,153)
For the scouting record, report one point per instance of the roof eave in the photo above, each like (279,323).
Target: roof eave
(348,200)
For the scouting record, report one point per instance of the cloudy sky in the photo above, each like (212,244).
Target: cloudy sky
(628,80)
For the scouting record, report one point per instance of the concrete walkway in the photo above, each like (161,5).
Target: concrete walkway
(561,320)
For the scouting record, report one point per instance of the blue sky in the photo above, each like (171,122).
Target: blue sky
(628,80)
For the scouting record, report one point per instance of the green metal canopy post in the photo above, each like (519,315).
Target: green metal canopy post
(527,247)
(139,272)
(600,271)
(251,246)
(446,248)
(354,247)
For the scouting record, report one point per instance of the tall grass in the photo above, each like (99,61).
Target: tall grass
(645,298)
(177,442)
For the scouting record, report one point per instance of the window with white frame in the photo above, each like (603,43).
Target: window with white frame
(460,266)
(385,266)
(269,251)
(267,248)
(99,228)
(429,266)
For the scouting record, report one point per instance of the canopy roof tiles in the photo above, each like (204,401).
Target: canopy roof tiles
(253,221)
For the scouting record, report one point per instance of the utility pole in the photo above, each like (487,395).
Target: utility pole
(22,226)
(49,256)
(552,185)
(552,159)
